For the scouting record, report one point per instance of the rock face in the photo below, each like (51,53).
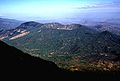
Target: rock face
(20,35)
(61,26)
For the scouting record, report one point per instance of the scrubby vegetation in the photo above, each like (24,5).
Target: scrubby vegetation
(81,48)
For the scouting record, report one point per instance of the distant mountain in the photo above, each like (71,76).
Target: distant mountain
(6,24)
(105,26)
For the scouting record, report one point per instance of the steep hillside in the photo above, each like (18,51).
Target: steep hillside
(23,28)
(105,46)
(66,45)
(107,41)
(16,64)
(48,40)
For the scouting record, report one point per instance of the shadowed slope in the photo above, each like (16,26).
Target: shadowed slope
(16,64)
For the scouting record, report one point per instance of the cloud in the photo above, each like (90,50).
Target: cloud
(105,5)
(116,1)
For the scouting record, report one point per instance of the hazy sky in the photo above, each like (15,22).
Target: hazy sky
(48,9)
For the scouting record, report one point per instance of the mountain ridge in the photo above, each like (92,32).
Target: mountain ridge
(64,43)
(7,24)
